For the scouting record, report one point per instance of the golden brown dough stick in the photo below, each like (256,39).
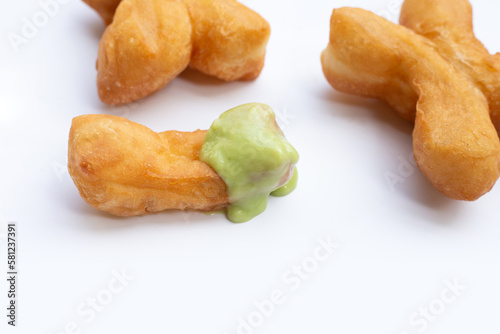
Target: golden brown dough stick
(448,23)
(147,45)
(455,144)
(105,8)
(229,39)
(126,169)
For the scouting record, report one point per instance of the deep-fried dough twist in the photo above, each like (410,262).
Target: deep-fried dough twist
(149,42)
(229,39)
(126,169)
(455,143)
(448,23)
(147,46)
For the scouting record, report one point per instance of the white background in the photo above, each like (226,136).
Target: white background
(195,273)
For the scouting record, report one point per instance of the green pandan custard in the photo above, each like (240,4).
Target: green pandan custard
(248,150)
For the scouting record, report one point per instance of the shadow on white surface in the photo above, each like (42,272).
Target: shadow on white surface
(416,188)
(96,220)
(198,78)
(367,110)
(93,24)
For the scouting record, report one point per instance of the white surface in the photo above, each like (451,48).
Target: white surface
(196,273)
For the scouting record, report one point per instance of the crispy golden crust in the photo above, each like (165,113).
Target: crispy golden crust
(229,39)
(455,143)
(105,8)
(152,41)
(147,45)
(448,23)
(126,169)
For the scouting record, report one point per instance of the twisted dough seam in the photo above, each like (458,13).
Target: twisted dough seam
(449,25)
(126,169)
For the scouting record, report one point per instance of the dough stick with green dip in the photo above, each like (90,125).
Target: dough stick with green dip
(127,169)
(246,147)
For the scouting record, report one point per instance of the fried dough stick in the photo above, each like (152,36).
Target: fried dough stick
(126,169)
(147,45)
(229,40)
(448,23)
(149,42)
(455,144)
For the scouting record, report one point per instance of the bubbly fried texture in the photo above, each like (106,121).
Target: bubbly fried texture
(455,144)
(448,23)
(229,39)
(126,169)
(147,45)
(105,8)
(149,42)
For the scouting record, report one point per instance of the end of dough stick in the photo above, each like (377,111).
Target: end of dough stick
(249,151)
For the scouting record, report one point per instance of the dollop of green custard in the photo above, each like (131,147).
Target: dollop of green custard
(246,147)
